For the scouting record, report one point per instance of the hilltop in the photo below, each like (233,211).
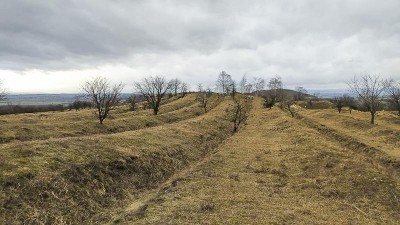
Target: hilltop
(186,166)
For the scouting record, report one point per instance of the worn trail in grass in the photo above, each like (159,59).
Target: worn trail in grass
(276,170)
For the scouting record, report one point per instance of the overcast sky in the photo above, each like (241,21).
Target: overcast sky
(53,46)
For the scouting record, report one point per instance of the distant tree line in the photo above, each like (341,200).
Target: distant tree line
(80,104)
(17,109)
(105,96)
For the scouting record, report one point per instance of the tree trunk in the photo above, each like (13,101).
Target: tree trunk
(234,129)
(292,113)
(372,117)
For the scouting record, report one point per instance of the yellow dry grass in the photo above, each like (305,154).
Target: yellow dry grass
(383,135)
(41,180)
(186,168)
(276,170)
(42,126)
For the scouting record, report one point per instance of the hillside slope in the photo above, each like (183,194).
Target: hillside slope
(79,180)
(276,170)
(42,126)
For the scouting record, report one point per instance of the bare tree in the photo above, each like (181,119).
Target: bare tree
(103,95)
(243,84)
(175,85)
(3,95)
(233,88)
(275,92)
(369,89)
(258,85)
(224,82)
(315,97)
(203,97)
(349,102)
(184,89)
(268,101)
(248,88)
(240,111)
(393,92)
(132,101)
(153,90)
(339,103)
(287,103)
(301,94)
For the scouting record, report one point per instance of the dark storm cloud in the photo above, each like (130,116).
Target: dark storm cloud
(301,39)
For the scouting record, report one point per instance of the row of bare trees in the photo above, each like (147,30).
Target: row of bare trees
(370,92)
(239,110)
(106,96)
(225,84)
(344,101)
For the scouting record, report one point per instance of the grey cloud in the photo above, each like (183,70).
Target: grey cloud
(46,33)
(301,40)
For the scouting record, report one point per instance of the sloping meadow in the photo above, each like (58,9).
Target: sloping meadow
(76,180)
(42,126)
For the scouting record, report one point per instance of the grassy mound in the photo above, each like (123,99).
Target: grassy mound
(316,104)
(77,180)
(383,136)
(42,126)
(278,170)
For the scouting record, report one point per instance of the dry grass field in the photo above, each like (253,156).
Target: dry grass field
(276,170)
(42,126)
(384,135)
(187,167)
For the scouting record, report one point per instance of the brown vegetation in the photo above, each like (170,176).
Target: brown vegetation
(270,172)
(78,180)
(183,166)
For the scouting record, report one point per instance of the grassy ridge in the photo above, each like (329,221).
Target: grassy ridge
(321,167)
(384,135)
(168,105)
(278,170)
(41,126)
(78,179)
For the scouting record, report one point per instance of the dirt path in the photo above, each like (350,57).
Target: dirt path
(275,170)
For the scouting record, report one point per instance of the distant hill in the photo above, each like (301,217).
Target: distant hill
(288,92)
